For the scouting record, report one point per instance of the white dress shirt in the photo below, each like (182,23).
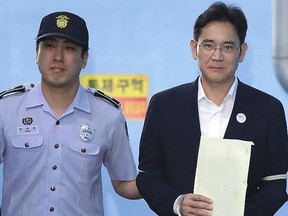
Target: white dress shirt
(213,118)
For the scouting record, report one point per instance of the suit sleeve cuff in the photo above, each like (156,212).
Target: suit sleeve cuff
(178,205)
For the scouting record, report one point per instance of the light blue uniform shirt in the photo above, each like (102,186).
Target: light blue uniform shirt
(53,166)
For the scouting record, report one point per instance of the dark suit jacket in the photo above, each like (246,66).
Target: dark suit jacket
(170,141)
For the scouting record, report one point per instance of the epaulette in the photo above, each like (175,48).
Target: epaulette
(108,98)
(20,88)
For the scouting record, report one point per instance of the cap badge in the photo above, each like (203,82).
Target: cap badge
(86,132)
(62,21)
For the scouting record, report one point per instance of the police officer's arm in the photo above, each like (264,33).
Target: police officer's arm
(126,189)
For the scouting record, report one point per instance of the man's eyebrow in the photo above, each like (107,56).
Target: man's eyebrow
(207,41)
(229,42)
(213,41)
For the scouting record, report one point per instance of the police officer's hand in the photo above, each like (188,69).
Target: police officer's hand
(196,205)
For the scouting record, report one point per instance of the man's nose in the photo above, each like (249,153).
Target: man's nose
(217,53)
(59,54)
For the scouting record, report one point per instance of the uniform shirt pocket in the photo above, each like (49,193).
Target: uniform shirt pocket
(86,149)
(25,153)
(27,142)
(83,160)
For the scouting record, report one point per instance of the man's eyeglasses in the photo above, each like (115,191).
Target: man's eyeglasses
(210,48)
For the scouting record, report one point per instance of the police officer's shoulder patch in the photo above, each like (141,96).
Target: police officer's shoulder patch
(20,88)
(106,97)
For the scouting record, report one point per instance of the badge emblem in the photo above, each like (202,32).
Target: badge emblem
(86,132)
(27,121)
(62,21)
(241,117)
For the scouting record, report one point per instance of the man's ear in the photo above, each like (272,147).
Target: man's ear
(85,59)
(193,45)
(36,54)
(244,48)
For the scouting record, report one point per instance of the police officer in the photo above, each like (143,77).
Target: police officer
(55,136)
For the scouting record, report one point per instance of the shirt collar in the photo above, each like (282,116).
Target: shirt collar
(35,97)
(231,94)
(81,100)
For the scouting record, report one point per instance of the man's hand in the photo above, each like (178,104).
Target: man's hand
(196,205)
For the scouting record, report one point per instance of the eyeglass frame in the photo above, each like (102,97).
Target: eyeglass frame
(213,48)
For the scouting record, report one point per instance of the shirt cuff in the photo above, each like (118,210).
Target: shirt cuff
(178,205)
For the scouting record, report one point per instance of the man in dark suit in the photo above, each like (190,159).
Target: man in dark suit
(217,104)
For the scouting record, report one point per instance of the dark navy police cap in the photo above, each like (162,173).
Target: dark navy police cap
(66,25)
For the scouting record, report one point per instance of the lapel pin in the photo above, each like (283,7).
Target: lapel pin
(241,117)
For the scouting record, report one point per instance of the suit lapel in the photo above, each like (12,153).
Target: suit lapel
(240,116)
(188,115)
